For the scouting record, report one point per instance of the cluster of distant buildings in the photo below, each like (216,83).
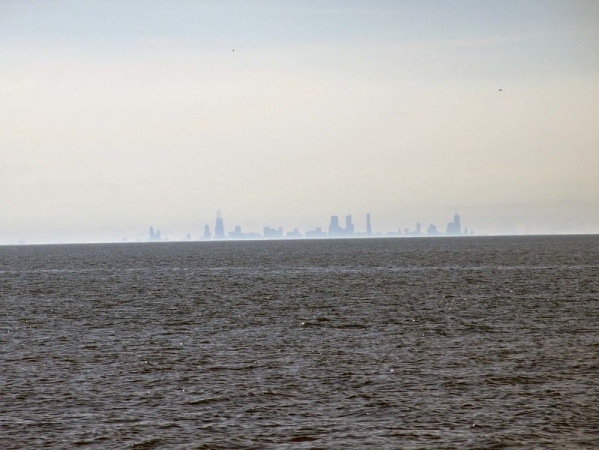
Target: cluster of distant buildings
(335,230)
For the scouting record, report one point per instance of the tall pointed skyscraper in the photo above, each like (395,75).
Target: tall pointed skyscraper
(454,228)
(219,227)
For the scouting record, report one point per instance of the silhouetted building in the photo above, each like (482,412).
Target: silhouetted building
(293,234)
(457,224)
(432,230)
(334,229)
(237,234)
(454,228)
(154,235)
(418,231)
(273,233)
(207,234)
(368,227)
(316,233)
(349,226)
(219,227)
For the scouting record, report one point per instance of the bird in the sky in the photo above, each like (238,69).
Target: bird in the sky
(500,90)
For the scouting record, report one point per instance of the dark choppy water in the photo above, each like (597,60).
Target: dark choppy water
(388,343)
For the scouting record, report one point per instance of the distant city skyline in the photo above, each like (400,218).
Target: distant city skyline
(335,231)
(218,231)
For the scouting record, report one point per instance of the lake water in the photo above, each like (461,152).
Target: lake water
(462,343)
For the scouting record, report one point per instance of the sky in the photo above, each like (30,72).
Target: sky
(118,115)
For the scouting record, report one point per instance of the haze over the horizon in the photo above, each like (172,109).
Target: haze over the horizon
(117,115)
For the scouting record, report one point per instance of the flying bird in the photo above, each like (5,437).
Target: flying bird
(500,90)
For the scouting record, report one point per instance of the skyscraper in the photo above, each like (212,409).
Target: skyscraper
(457,225)
(219,227)
(349,226)
(454,228)
(207,234)
(154,235)
(368,227)
(334,229)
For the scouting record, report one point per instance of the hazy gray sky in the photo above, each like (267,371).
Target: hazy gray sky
(117,115)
